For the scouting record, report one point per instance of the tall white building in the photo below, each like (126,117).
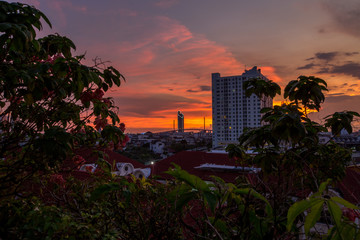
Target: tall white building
(232,111)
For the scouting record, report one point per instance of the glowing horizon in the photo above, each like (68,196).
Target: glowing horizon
(168,49)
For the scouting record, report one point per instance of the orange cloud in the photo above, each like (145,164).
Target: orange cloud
(168,68)
(164,72)
(271,74)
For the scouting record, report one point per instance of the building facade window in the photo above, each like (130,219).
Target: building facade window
(238,111)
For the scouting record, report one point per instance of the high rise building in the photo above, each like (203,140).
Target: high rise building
(232,111)
(180,122)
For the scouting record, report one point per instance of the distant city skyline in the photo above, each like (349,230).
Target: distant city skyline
(167,49)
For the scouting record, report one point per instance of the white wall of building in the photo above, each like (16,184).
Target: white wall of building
(232,111)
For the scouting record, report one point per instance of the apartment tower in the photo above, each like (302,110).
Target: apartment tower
(232,111)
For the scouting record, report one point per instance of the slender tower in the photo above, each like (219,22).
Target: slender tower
(180,122)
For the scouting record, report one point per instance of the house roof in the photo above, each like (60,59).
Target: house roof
(110,156)
(225,168)
(191,162)
(350,185)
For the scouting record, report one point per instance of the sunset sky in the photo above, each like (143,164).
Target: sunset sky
(167,49)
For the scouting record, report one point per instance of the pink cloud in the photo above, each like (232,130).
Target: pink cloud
(163,55)
(176,54)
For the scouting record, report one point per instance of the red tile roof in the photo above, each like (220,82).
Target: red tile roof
(350,185)
(188,160)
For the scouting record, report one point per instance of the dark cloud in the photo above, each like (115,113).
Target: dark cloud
(152,105)
(351,53)
(327,56)
(334,95)
(205,88)
(337,103)
(354,85)
(323,70)
(344,85)
(192,91)
(334,63)
(307,66)
(322,30)
(202,88)
(352,69)
(345,14)
(171,89)
(341,98)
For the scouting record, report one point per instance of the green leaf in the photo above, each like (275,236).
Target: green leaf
(313,216)
(323,186)
(252,192)
(220,225)
(349,231)
(5,26)
(105,87)
(103,189)
(211,200)
(116,80)
(335,212)
(188,178)
(36,45)
(184,199)
(295,210)
(181,195)
(344,202)
(104,165)
(80,87)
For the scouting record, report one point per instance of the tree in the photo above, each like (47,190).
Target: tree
(47,99)
(306,90)
(340,120)
(261,87)
(287,147)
